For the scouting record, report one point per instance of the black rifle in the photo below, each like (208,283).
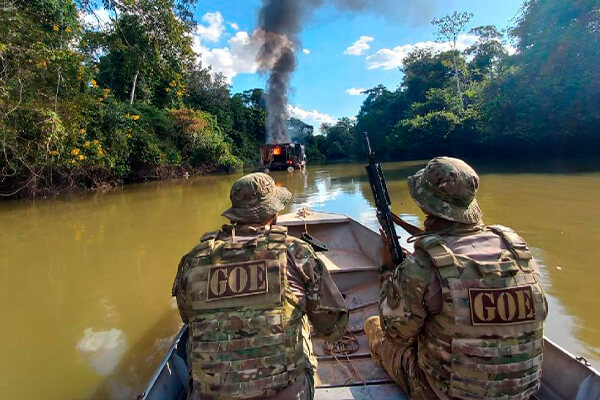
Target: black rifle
(382,204)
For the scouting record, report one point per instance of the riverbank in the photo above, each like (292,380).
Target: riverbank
(98,180)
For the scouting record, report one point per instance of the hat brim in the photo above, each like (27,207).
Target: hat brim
(260,212)
(432,204)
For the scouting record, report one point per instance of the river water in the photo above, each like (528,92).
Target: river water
(85,280)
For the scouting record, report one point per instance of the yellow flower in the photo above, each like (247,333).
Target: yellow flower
(94,83)
(100,153)
(179,93)
(53,153)
(75,152)
(81,157)
(106,92)
(82,131)
(135,117)
(96,142)
(86,144)
(55,28)
(41,64)
(73,162)
(127,115)
(173,84)
(128,136)
(68,29)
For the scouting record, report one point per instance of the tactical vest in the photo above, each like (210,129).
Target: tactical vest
(487,341)
(245,323)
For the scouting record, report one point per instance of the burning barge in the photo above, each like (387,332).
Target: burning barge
(288,156)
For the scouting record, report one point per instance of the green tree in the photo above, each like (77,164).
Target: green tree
(488,54)
(378,115)
(423,70)
(43,90)
(147,42)
(339,139)
(210,93)
(448,29)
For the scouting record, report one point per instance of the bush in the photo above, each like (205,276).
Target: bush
(314,155)
(201,142)
(230,163)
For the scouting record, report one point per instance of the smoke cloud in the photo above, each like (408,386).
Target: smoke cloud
(281,22)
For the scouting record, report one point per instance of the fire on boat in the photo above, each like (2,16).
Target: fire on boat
(288,156)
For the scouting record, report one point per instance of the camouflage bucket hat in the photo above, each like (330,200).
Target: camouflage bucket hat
(255,198)
(446,188)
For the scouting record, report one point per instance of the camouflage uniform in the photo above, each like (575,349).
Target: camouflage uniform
(248,293)
(462,317)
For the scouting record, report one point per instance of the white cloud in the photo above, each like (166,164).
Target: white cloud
(234,26)
(355,91)
(99,18)
(239,57)
(306,51)
(314,117)
(394,58)
(214,28)
(360,46)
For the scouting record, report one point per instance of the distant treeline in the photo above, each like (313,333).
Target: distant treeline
(85,105)
(544,100)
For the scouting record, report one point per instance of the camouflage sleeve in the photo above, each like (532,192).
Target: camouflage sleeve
(325,306)
(178,291)
(402,300)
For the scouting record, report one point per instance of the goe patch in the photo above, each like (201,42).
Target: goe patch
(237,280)
(501,306)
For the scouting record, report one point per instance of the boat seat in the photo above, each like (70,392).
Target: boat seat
(369,392)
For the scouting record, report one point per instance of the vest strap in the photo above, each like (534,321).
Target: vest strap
(515,244)
(209,236)
(440,254)
(279,229)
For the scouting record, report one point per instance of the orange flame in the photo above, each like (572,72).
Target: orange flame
(277,151)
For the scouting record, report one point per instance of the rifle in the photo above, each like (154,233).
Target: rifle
(382,204)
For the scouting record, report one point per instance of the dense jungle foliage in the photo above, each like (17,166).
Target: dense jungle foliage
(544,100)
(90,105)
(86,105)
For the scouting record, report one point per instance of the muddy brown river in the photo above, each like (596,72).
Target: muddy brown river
(85,280)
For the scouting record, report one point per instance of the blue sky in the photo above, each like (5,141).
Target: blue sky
(326,73)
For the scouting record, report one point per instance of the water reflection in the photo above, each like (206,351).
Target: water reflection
(103,349)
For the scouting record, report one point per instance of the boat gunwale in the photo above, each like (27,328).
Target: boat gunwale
(577,361)
(163,363)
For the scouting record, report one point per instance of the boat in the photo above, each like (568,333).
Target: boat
(353,259)
(284,156)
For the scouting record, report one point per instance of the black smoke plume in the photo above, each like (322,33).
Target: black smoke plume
(280,23)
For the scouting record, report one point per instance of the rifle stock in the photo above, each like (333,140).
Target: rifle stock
(382,204)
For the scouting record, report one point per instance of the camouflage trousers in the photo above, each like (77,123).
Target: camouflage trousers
(399,362)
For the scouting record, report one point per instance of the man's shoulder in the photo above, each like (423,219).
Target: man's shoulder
(508,234)
(207,243)
(417,267)
(299,248)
